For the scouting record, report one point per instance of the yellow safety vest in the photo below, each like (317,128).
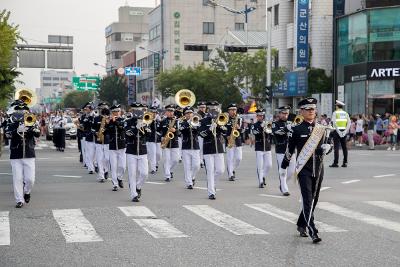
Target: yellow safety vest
(341,119)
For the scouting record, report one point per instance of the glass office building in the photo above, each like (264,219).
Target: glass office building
(368,60)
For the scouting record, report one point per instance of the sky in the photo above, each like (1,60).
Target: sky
(85,20)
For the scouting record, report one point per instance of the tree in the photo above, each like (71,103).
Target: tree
(9,37)
(77,99)
(114,88)
(318,81)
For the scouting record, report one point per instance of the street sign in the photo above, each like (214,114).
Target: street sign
(135,71)
(86,83)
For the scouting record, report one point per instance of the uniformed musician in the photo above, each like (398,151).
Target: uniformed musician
(262,135)
(59,124)
(213,150)
(190,146)
(280,131)
(201,110)
(171,147)
(233,148)
(341,122)
(22,153)
(115,130)
(309,138)
(102,141)
(90,147)
(154,142)
(136,151)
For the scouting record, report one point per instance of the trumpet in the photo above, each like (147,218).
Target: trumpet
(267,127)
(29,119)
(148,118)
(298,120)
(195,120)
(222,119)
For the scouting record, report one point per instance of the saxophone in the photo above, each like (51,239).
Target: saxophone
(169,135)
(100,133)
(234,133)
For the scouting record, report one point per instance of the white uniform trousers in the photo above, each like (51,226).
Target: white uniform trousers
(201,140)
(191,164)
(171,158)
(233,159)
(102,159)
(180,147)
(264,164)
(153,154)
(137,172)
(83,150)
(286,174)
(23,171)
(118,165)
(90,155)
(215,167)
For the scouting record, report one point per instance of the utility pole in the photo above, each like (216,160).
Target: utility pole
(269,103)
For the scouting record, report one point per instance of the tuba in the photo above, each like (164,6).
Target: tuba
(27,96)
(185,98)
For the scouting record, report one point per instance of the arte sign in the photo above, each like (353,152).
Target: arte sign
(302,33)
(384,70)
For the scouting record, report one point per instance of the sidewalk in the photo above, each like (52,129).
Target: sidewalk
(366,147)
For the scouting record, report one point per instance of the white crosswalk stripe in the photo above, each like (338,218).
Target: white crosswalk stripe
(291,217)
(75,227)
(369,219)
(4,228)
(224,220)
(385,205)
(157,228)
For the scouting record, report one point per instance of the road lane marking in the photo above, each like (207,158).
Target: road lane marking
(204,188)
(4,228)
(224,220)
(137,211)
(352,214)
(291,217)
(154,183)
(67,176)
(158,228)
(324,188)
(146,219)
(385,205)
(75,227)
(5,173)
(42,158)
(350,182)
(384,175)
(266,195)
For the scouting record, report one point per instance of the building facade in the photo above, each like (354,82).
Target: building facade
(285,33)
(175,23)
(54,85)
(368,57)
(124,35)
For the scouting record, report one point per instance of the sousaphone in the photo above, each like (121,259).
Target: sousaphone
(28,96)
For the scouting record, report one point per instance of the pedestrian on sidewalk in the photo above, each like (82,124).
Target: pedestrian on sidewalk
(359,129)
(392,131)
(371,127)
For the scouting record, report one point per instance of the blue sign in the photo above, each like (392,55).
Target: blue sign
(302,33)
(294,84)
(133,71)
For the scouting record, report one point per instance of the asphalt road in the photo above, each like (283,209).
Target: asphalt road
(74,221)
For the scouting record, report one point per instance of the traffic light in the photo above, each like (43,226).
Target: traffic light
(229,48)
(268,94)
(196,47)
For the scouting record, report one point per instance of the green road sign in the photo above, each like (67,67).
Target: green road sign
(50,100)
(86,83)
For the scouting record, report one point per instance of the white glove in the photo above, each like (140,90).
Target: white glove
(326,148)
(22,128)
(129,133)
(213,127)
(263,124)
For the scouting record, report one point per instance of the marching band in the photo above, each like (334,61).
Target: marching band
(111,141)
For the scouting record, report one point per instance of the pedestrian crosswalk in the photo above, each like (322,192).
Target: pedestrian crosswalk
(77,227)
(49,145)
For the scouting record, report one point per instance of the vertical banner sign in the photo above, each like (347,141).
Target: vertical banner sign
(131,89)
(338,7)
(302,33)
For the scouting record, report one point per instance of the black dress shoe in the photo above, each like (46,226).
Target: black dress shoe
(167,180)
(315,238)
(115,188)
(27,198)
(139,192)
(334,165)
(286,194)
(302,231)
(189,187)
(120,183)
(106,175)
(172,175)
(96,169)
(153,172)
(231,178)
(135,199)
(90,172)
(344,165)
(264,181)
(156,168)
(261,185)
(101,181)
(193,181)
(81,158)
(19,205)
(234,174)
(212,197)
(201,165)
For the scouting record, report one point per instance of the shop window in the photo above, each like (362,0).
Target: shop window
(276,15)
(239,26)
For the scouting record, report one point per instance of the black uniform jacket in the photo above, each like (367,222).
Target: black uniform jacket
(189,136)
(262,139)
(211,144)
(95,130)
(238,140)
(154,136)
(116,132)
(87,127)
(135,138)
(280,131)
(163,129)
(18,143)
(298,136)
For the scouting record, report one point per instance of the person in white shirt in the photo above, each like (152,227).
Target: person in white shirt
(359,129)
